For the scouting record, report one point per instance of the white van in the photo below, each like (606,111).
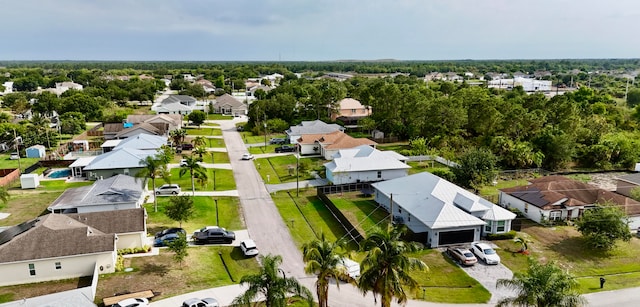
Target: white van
(352,267)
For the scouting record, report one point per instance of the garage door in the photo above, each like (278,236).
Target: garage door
(455,237)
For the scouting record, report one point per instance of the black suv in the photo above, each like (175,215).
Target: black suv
(278,141)
(286,148)
(213,234)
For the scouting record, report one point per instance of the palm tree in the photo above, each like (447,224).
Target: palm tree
(178,136)
(200,151)
(543,285)
(4,195)
(195,170)
(199,141)
(153,167)
(269,285)
(323,259)
(385,268)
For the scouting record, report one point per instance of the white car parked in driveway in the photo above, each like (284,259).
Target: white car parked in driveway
(485,252)
(132,302)
(249,248)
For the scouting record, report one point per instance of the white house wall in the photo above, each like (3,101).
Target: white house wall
(109,207)
(366,176)
(530,211)
(328,153)
(71,267)
(308,149)
(131,240)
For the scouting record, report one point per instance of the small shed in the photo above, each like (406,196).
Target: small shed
(29,181)
(36,151)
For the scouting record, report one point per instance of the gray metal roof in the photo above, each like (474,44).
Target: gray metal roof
(120,158)
(113,190)
(142,141)
(363,158)
(436,202)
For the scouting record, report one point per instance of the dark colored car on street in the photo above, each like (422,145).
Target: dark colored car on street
(213,234)
(170,230)
(166,239)
(187,146)
(285,148)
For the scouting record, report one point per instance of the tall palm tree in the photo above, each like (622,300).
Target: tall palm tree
(199,141)
(153,167)
(200,151)
(178,136)
(195,170)
(324,259)
(268,285)
(543,285)
(385,268)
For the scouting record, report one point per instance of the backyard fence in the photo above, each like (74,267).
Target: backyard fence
(438,159)
(323,191)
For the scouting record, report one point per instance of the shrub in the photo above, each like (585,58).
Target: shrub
(501,236)
(120,264)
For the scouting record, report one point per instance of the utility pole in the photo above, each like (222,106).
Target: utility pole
(297,170)
(265,129)
(217,219)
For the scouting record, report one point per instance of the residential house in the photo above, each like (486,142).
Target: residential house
(206,85)
(350,111)
(310,127)
(159,124)
(122,161)
(228,105)
(626,183)
(54,247)
(142,141)
(143,128)
(165,122)
(62,87)
(176,104)
(328,144)
(120,192)
(337,76)
(365,164)
(439,212)
(8,88)
(129,225)
(558,198)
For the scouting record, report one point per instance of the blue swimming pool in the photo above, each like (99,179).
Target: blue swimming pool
(61,173)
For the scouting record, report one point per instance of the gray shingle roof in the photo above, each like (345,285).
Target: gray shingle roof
(115,221)
(56,235)
(227,99)
(313,127)
(177,99)
(633,178)
(113,190)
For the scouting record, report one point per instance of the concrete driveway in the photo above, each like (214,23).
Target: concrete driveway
(487,275)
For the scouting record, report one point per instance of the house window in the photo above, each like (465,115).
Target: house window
(488,226)
(58,266)
(379,174)
(555,215)
(399,210)
(501,226)
(32,269)
(526,208)
(353,111)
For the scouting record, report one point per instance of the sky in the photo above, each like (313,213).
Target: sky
(317,30)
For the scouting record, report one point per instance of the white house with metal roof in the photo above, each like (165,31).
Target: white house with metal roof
(440,212)
(120,161)
(365,164)
(115,193)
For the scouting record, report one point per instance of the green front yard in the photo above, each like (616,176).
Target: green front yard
(223,180)
(203,131)
(205,214)
(282,169)
(218,117)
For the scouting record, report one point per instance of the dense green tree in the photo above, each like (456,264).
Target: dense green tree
(267,285)
(197,117)
(387,264)
(4,195)
(476,167)
(72,123)
(180,208)
(603,226)
(543,285)
(633,97)
(324,259)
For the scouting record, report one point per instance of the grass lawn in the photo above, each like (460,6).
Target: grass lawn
(565,245)
(445,282)
(360,210)
(218,157)
(490,190)
(256,150)
(425,166)
(203,131)
(24,205)
(5,162)
(205,214)
(223,180)
(202,269)
(17,292)
(214,143)
(249,138)
(282,168)
(397,147)
(219,117)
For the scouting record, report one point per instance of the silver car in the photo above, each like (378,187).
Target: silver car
(205,302)
(167,189)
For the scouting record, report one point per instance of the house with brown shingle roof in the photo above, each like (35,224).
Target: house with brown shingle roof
(130,225)
(54,247)
(556,198)
(228,105)
(328,144)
